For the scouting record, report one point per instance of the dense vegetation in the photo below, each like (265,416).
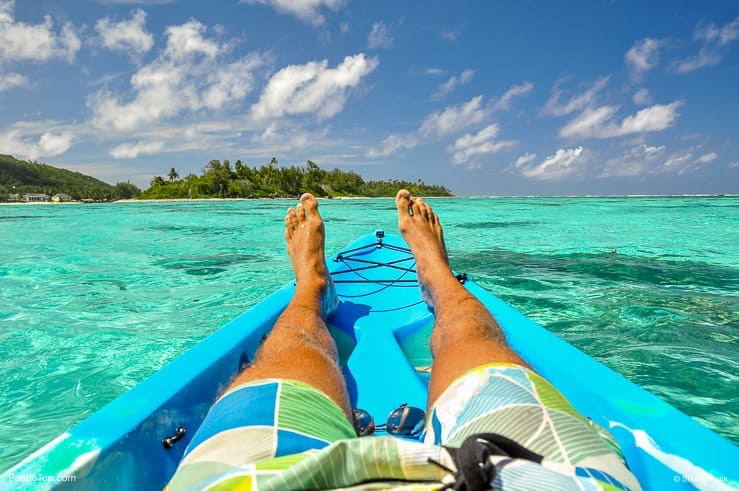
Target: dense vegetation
(218,180)
(222,180)
(20,177)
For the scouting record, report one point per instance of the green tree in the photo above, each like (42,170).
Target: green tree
(173,175)
(313,177)
(216,177)
(125,190)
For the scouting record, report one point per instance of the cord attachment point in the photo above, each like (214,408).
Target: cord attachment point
(379,235)
(171,440)
(461,277)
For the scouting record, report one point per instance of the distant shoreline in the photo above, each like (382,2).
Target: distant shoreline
(20,203)
(189,200)
(343,198)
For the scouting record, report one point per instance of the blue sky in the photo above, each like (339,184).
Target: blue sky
(488,98)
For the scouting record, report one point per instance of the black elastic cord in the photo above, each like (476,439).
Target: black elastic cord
(475,471)
(384,283)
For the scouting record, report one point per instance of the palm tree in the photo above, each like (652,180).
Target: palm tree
(173,175)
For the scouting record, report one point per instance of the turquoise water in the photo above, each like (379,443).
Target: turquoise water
(94,298)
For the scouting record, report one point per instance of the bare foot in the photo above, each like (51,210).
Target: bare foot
(305,237)
(421,229)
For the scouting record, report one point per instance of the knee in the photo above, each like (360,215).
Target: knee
(467,330)
(300,340)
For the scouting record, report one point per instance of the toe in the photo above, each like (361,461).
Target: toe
(433,217)
(428,214)
(310,204)
(417,207)
(403,202)
(300,212)
(291,220)
(289,224)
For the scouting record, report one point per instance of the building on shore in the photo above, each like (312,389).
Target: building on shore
(60,197)
(35,197)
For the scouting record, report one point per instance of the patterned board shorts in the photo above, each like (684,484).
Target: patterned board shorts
(283,434)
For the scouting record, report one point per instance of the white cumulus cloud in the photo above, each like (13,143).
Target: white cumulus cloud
(639,160)
(189,75)
(48,144)
(679,163)
(312,88)
(705,57)
(654,118)
(379,36)
(451,84)
(454,118)
(392,144)
(524,159)
(725,34)
(562,164)
(306,10)
(128,35)
(589,123)
(131,151)
(706,158)
(503,102)
(598,122)
(643,160)
(715,39)
(647,151)
(556,107)
(232,82)
(468,147)
(34,42)
(187,40)
(642,97)
(11,80)
(6,10)
(643,56)
(284,137)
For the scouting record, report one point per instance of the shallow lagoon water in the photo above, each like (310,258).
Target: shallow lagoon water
(94,298)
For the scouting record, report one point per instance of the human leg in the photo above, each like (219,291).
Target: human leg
(465,335)
(299,347)
(293,397)
(479,384)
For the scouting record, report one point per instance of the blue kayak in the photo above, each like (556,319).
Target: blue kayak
(381,328)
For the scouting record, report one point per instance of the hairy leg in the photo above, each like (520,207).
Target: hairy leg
(465,334)
(299,347)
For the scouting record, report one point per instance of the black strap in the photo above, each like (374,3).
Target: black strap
(475,471)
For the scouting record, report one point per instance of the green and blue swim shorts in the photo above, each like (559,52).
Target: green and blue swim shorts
(286,435)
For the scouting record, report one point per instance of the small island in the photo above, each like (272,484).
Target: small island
(222,180)
(35,181)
